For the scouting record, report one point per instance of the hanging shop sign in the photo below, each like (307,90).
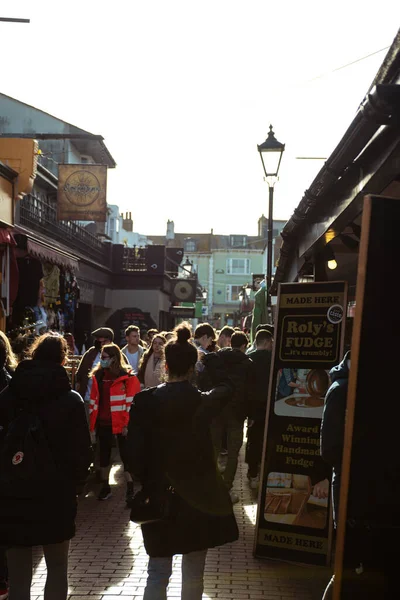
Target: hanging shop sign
(293,520)
(184,312)
(82,193)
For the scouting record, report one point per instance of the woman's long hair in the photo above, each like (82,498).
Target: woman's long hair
(10,362)
(49,347)
(180,353)
(146,356)
(118,365)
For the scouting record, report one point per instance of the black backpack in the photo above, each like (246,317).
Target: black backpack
(27,466)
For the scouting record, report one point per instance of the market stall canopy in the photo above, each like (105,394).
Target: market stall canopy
(43,252)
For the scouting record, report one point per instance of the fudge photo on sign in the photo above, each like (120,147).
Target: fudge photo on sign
(290,500)
(301,392)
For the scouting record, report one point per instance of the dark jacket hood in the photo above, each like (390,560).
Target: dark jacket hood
(341,371)
(39,381)
(233,356)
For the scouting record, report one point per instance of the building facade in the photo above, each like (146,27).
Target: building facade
(225,267)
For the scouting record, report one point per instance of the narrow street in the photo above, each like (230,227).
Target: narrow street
(108,560)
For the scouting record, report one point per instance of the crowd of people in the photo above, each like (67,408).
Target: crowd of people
(149,399)
(182,389)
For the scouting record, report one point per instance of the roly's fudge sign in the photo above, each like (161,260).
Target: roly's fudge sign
(293,520)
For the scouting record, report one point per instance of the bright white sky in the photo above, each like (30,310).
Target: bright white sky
(183,92)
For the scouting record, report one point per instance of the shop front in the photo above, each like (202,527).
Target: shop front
(46,289)
(8,178)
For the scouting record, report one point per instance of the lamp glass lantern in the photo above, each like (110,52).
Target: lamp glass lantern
(187,266)
(330,258)
(271,154)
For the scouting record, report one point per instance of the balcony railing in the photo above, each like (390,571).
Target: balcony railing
(41,216)
(134,260)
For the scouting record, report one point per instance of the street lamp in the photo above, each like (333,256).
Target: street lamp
(271,155)
(187,267)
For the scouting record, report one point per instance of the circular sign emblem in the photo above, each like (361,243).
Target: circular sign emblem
(17,458)
(335,314)
(82,188)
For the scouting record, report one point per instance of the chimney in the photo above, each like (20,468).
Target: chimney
(127,223)
(170,230)
(262,227)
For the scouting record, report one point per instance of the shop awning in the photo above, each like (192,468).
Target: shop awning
(6,237)
(46,253)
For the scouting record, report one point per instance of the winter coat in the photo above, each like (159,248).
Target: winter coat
(48,517)
(238,367)
(123,389)
(332,427)
(169,443)
(84,368)
(262,367)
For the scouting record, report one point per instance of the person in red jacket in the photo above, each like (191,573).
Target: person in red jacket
(113,389)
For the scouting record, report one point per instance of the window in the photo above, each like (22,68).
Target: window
(189,245)
(238,266)
(238,241)
(232,293)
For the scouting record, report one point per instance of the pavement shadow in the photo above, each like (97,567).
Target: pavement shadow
(107,552)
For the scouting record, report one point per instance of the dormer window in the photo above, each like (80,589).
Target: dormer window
(190,245)
(238,241)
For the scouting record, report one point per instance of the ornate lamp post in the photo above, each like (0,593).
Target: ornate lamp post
(271,155)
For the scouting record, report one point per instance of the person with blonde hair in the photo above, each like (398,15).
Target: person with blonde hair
(113,387)
(11,361)
(151,368)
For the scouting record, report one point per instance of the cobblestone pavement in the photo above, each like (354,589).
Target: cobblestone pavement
(108,560)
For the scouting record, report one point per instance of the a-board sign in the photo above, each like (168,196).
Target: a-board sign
(293,519)
(124,317)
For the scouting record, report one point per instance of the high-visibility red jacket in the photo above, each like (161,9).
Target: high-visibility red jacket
(122,392)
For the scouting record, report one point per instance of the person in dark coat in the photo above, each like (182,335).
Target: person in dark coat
(239,368)
(44,514)
(170,445)
(332,434)
(261,358)
(332,427)
(8,363)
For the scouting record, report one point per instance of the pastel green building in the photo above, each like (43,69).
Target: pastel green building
(225,265)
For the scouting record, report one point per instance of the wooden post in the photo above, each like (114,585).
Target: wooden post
(371,458)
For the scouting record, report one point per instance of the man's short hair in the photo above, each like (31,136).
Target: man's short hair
(239,339)
(204,329)
(267,327)
(132,328)
(227,331)
(152,332)
(263,336)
